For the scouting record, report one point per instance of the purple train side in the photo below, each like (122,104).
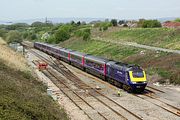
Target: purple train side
(129,77)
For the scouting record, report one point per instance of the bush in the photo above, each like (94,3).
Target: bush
(63,33)
(84,33)
(86,36)
(14,36)
(51,39)
(33,37)
(25,35)
(104,26)
(17,26)
(177,20)
(37,24)
(149,23)
(2,33)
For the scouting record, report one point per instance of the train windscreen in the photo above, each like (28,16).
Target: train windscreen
(138,74)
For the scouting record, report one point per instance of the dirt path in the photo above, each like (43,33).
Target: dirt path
(138,45)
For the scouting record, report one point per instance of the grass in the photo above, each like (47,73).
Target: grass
(12,59)
(164,64)
(97,48)
(22,97)
(159,37)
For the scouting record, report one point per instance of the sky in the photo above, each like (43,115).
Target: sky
(119,9)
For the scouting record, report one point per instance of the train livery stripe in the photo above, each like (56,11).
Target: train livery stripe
(133,79)
(105,69)
(83,61)
(69,56)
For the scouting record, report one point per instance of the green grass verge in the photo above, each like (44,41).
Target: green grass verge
(24,98)
(160,37)
(97,48)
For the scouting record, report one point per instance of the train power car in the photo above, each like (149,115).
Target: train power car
(130,77)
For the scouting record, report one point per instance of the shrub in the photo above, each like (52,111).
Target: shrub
(2,33)
(63,33)
(84,33)
(177,20)
(14,36)
(104,26)
(51,39)
(149,23)
(33,37)
(25,35)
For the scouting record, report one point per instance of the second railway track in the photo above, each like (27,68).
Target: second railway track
(115,109)
(121,112)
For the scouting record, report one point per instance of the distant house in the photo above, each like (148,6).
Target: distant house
(171,24)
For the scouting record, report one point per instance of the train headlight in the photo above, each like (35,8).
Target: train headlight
(134,82)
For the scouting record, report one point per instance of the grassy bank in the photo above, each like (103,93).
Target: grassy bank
(159,37)
(163,64)
(22,97)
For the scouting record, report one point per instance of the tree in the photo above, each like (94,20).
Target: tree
(17,26)
(84,33)
(37,24)
(33,37)
(25,35)
(83,23)
(114,22)
(177,20)
(45,36)
(72,23)
(14,36)
(140,22)
(104,26)
(121,22)
(63,33)
(78,23)
(149,23)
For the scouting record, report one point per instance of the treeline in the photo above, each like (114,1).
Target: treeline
(55,33)
(46,32)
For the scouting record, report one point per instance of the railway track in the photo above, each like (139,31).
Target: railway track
(93,93)
(150,97)
(74,97)
(172,109)
(155,89)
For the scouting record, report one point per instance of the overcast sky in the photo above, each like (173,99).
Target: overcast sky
(121,9)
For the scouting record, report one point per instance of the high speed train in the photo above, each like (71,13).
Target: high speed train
(130,77)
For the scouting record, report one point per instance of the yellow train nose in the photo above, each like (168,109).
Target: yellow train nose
(141,78)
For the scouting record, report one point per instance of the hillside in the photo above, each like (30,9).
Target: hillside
(22,97)
(160,66)
(158,37)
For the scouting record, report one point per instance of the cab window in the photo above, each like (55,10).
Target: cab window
(138,74)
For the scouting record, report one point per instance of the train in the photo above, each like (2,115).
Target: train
(130,77)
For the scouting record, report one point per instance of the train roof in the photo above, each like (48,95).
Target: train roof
(122,65)
(57,47)
(97,59)
(46,44)
(66,50)
(78,53)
